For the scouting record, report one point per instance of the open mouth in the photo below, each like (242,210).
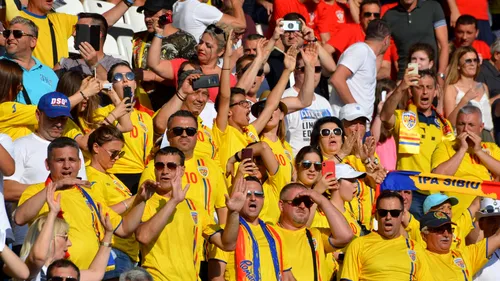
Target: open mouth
(252,206)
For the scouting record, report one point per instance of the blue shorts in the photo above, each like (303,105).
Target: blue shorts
(123,263)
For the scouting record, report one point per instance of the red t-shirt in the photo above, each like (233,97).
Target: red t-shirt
(212,92)
(283,7)
(482,49)
(475,8)
(387,7)
(331,18)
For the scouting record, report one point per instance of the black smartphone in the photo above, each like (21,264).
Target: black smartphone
(341,256)
(246,153)
(87,33)
(206,81)
(164,20)
(127,93)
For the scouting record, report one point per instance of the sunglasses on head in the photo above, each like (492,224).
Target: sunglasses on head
(442,229)
(307,164)
(244,69)
(130,76)
(317,69)
(258,194)
(161,166)
(470,61)
(383,213)
(368,14)
(61,278)
(328,132)
(217,30)
(299,200)
(16,33)
(190,131)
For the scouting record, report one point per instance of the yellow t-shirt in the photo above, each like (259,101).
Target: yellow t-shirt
(85,228)
(284,154)
(17,120)
(266,261)
(63,29)
(205,144)
(470,168)
(114,191)
(138,142)
(175,253)
(231,141)
(373,258)
(430,136)
(297,246)
(460,264)
(272,187)
(206,183)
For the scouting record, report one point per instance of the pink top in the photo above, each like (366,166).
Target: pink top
(387,154)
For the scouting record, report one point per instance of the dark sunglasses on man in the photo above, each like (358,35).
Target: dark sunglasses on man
(161,166)
(368,14)
(190,131)
(394,213)
(62,278)
(16,33)
(299,200)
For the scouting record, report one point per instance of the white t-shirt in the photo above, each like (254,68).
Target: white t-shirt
(362,62)
(193,16)
(30,154)
(491,271)
(7,144)
(299,124)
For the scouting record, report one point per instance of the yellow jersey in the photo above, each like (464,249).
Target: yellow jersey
(205,143)
(17,120)
(175,253)
(272,187)
(460,264)
(114,191)
(284,154)
(373,258)
(297,246)
(85,228)
(470,168)
(206,183)
(138,142)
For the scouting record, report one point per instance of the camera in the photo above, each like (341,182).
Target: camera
(292,25)
(164,20)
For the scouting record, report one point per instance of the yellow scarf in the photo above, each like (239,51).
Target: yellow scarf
(409,135)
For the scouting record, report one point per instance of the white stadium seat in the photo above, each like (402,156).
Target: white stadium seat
(72,7)
(135,19)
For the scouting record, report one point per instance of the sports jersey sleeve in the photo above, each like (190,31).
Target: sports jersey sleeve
(17,114)
(464,224)
(148,173)
(19,156)
(31,191)
(215,253)
(352,263)
(438,15)
(221,189)
(476,255)
(209,227)
(71,130)
(325,234)
(440,155)
(66,22)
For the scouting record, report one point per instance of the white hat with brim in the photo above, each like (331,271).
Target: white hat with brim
(489,208)
(344,171)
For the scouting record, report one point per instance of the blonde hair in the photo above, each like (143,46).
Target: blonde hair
(453,73)
(60,227)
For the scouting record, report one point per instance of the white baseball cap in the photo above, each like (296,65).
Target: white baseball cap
(489,207)
(353,111)
(344,171)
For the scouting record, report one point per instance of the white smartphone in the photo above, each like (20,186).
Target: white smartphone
(383,95)
(107,86)
(414,67)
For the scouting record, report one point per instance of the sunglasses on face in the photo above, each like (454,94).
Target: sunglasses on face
(190,131)
(383,213)
(16,33)
(328,132)
(317,69)
(115,153)
(118,77)
(441,229)
(242,103)
(258,194)
(470,61)
(307,164)
(368,14)
(160,166)
(61,278)
(244,69)
(299,200)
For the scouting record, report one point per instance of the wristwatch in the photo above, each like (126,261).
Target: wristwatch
(441,75)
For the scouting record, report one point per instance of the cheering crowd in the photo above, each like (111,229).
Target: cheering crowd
(220,152)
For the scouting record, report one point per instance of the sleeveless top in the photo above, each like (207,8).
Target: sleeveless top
(483,104)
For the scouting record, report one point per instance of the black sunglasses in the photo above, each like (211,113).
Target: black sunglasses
(244,69)
(61,278)
(328,132)
(258,194)
(217,30)
(442,229)
(383,213)
(307,164)
(16,32)
(299,200)
(161,166)
(190,131)
(317,69)
(130,76)
(470,61)
(368,14)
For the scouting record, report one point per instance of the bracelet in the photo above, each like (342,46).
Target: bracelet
(179,96)
(83,95)
(159,36)
(338,158)
(226,68)
(128,3)
(107,121)
(106,244)
(126,206)
(236,157)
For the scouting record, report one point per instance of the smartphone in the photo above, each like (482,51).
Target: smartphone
(127,93)
(108,86)
(291,25)
(87,33)
(383,95)
(246,153)
(328,167)
(206,81)
(164,20)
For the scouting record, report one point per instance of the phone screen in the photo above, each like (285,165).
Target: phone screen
(127,93)
(246,153)
(87,33)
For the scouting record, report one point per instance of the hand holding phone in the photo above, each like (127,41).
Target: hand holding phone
(413,69)
(88,33)
(246,153)
(206,81)
(328,167)
(127,93)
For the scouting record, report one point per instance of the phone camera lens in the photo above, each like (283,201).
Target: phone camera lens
(290,25)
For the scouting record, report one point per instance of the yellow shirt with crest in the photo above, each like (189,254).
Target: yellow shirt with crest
(114,191)
(17,120)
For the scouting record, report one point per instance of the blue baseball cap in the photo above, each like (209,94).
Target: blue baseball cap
(55,104)
(438,199)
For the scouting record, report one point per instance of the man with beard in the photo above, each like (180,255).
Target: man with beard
(386,254)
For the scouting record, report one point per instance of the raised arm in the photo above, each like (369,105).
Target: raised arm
(225,87)
(450,166)
(248,78)
(13,265)
(161,67)
(7,164)
(89,88)
(274,97)
(486,159)
(237,20)
(115,13)
(451,109)
(444,50)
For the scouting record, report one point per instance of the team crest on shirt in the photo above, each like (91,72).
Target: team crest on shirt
(194,215)
(253,137)
(412,255)
(459,262)
(203,171)
(436,121)
(288,155)
(409,119)
(340,16)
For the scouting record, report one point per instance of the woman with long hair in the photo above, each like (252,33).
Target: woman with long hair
(47,240)
(462,89)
